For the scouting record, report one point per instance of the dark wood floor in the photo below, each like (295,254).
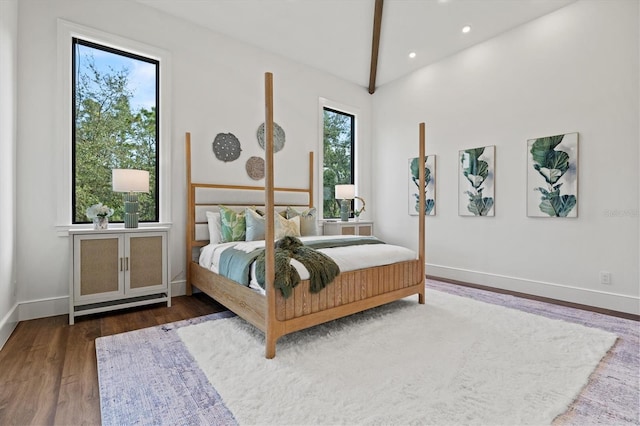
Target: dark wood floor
(48,372)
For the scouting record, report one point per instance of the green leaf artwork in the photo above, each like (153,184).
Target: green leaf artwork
(414,186)
(476,182)
(553,161)
(479,205)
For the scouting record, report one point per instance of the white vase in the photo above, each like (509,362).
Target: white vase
(101,222)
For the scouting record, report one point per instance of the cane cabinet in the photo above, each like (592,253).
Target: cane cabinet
(117,268)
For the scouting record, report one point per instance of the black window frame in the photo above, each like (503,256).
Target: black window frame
(352,148)
(79,41)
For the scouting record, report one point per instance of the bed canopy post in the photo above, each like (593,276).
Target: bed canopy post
(190,231)
(421,208)
(311,179)
(271,331)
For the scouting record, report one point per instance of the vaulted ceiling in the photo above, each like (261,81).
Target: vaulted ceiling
(336,35)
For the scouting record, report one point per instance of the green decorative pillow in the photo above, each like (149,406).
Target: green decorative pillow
(308,220)
(232,225)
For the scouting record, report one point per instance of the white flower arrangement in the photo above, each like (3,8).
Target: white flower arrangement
(98,210)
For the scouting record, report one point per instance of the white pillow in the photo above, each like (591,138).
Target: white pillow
(287,227)
(213,219)
(308,220)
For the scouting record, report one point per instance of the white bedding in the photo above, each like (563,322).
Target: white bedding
(349,258)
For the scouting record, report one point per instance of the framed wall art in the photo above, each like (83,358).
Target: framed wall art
(476,181)
(552,176)
(430,185)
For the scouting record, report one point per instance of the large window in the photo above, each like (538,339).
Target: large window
(338,157)
(115,125)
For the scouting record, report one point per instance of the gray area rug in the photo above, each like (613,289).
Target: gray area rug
(149,377)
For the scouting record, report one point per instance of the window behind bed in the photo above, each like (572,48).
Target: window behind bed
(338,157)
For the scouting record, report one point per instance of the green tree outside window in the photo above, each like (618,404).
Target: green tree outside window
(338,157)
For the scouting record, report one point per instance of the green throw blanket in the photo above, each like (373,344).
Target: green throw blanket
(322,269)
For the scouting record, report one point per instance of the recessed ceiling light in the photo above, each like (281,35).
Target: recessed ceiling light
(412,55)
(466,29)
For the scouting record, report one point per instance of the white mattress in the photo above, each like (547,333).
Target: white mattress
(349,258)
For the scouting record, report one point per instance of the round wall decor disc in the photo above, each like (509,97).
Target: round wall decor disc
(278,137)
(226,147)
(255,168)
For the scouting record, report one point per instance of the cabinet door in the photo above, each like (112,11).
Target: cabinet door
(348,229)
(97,267)
(365,230)
(331,228)
(145,262)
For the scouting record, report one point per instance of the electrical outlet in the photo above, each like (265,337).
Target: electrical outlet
(605,277)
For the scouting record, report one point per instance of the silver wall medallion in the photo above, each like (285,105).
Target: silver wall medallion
(278,137)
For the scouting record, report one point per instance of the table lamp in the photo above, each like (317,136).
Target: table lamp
(130,182)
(346,193)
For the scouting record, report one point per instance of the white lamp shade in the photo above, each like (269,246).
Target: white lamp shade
(129,180)
(345,192)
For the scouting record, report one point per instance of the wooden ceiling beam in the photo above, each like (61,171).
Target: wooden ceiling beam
(375,45)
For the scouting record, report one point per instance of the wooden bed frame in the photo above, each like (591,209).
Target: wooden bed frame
(350,292)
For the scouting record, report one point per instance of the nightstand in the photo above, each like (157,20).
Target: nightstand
(362,227)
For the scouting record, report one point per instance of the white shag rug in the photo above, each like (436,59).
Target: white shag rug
(451,361)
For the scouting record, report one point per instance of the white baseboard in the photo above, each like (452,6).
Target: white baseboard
(41,308)
(178,288)
(52,306)
(8,324)
(596,298)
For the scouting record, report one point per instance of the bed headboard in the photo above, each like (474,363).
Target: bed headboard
(203,197)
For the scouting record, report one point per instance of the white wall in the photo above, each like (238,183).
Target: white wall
(217,87)
(8,95)
(575,70)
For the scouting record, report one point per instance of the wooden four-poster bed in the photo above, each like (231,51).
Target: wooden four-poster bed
(350,292)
